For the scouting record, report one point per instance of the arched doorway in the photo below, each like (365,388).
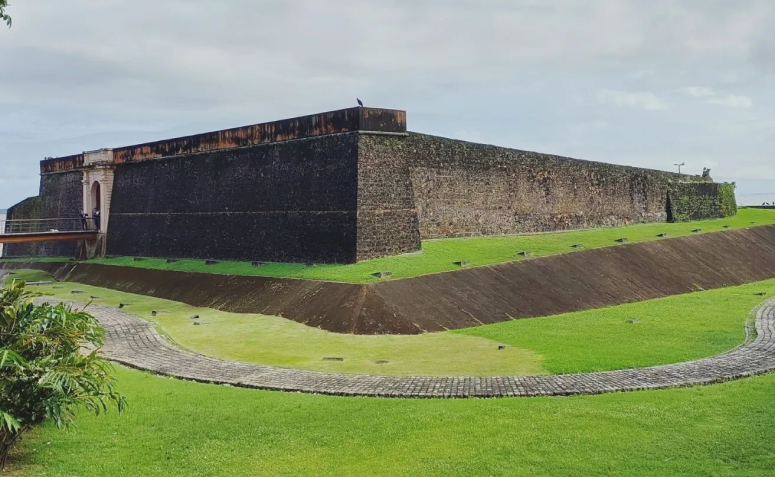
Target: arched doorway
(96,203)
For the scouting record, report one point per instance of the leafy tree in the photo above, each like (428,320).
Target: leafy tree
(4,16)
(45,370)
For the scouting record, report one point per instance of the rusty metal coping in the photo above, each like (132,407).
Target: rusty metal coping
(388,121)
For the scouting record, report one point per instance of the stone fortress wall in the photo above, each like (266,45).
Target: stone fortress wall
(349,185)
(284,202)
(459,188)
(60,196)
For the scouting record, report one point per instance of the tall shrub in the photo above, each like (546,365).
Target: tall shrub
(49,366)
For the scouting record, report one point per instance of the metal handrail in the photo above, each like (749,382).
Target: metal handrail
(43,226)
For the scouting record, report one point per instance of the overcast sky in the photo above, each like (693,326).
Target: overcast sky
(644,83)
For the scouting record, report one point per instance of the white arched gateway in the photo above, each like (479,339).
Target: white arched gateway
(98,186)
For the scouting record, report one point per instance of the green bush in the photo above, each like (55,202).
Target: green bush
(43,372)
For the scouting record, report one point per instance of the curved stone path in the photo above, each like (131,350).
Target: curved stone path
(134,342)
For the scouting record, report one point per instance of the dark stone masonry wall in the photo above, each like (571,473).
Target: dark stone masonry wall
(387,217)
(466,189)
(292,201)
(61,196)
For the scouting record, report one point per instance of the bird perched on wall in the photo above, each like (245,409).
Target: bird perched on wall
(360,103)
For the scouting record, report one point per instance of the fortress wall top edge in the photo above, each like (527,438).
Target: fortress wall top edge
(387,121)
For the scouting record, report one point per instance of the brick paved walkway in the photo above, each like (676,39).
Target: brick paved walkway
(135,342)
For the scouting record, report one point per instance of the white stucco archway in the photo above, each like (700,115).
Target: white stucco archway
(98,185)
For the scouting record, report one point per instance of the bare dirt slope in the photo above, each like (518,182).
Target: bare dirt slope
(463,298)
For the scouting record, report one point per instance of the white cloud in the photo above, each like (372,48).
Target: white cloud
(732,101)
(631,99)
(517,73)
(698,91)
(711,97)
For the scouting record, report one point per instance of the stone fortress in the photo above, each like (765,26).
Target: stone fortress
(340,187)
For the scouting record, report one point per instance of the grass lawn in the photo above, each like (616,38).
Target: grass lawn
(440,255)
(666,330)
(174,428)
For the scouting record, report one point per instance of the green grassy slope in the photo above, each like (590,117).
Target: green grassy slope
(668,330)
(174,428)
(665,330)
(278,341)
(440,255)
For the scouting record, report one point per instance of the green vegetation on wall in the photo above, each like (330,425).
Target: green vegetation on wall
(727,197)
(31,208)
(701,200)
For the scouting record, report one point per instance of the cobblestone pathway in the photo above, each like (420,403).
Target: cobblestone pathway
(135,342)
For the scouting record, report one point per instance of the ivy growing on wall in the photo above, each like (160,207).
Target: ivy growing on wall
(31,208)
(701,200)
(727,198)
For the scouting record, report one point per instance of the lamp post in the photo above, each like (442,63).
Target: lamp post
(679,166)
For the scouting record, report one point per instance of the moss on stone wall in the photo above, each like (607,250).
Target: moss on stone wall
(60,197)
(728,202)
(31,208)
(695,201)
